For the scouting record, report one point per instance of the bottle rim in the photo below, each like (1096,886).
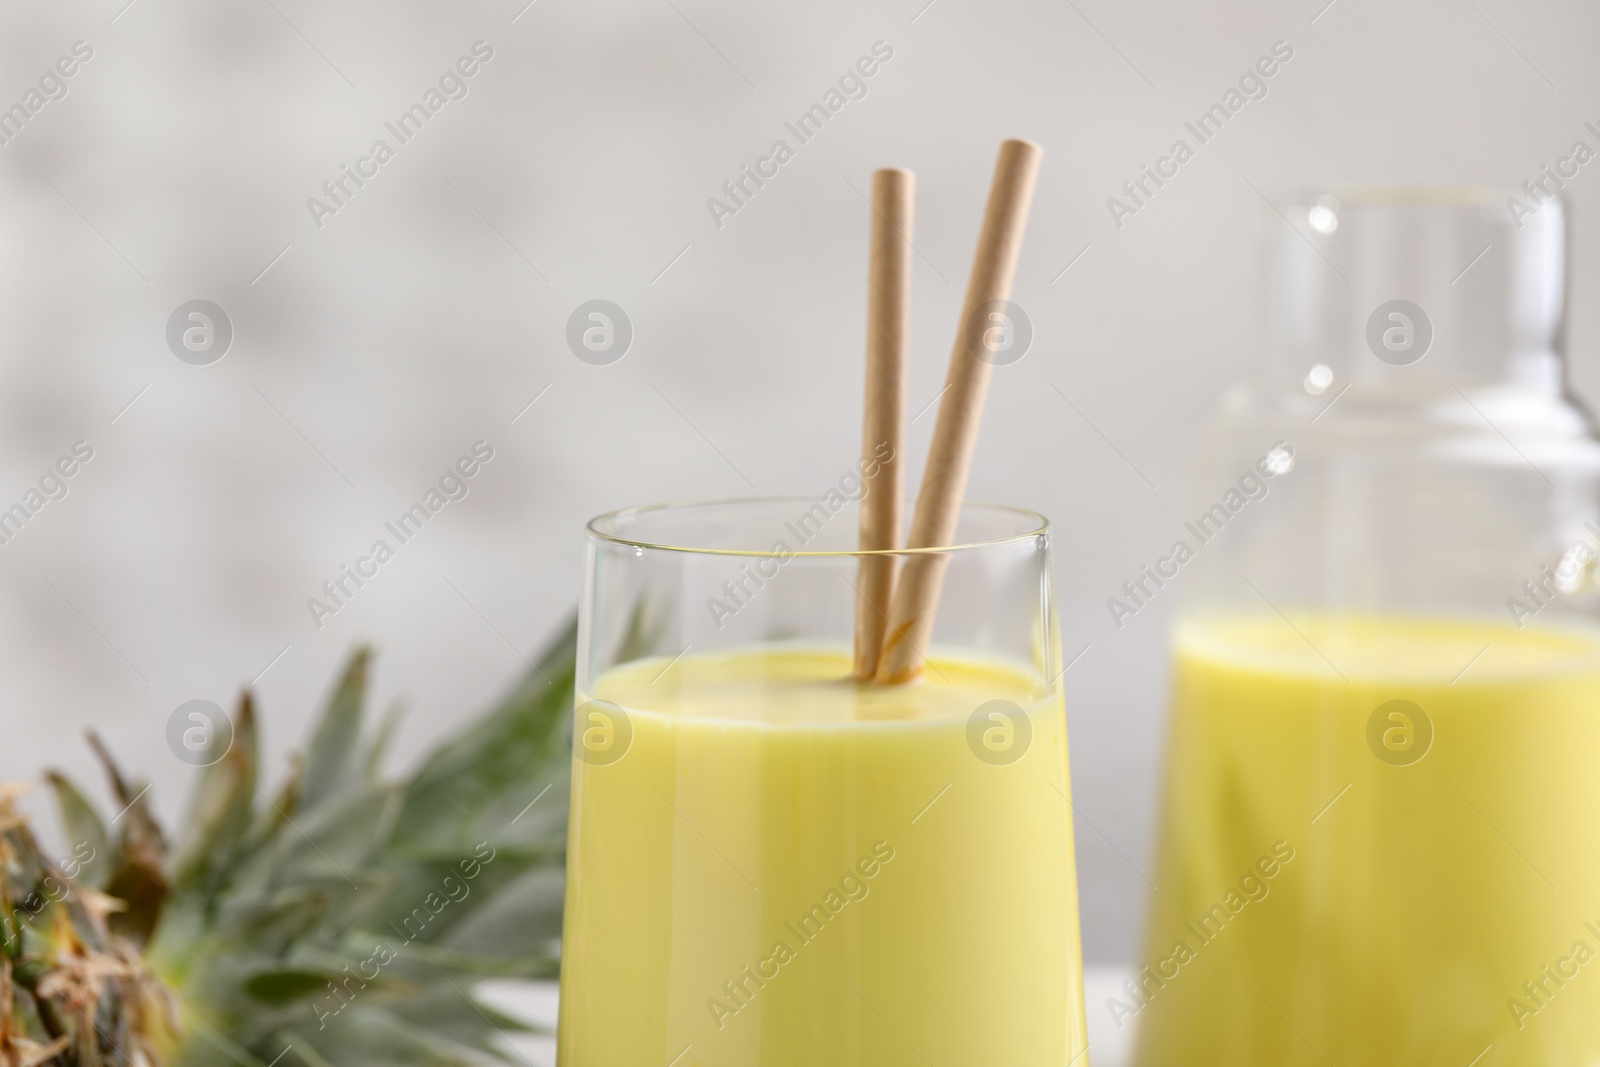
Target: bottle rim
(1494,195)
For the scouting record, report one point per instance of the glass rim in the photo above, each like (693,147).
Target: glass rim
(1040,527)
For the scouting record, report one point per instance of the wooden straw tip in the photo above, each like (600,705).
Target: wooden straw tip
(1021,146)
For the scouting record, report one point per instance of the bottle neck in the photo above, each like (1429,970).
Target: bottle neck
(1408,295)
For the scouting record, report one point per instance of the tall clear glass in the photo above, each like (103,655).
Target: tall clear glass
(772,864)
(1380,842)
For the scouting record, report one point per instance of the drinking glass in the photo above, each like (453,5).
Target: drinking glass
(1379,842)
(772,864)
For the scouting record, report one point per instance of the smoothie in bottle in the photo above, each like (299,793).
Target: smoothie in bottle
(1379,841)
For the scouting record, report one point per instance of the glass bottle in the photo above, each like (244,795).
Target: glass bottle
(1379,826)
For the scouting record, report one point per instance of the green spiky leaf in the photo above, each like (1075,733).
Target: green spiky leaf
(348,916)
(480,785)
(333,754)
(278,988)
(220,814)
(91,843)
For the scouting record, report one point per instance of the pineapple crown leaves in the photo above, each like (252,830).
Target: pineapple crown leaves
(70,991)
(347,914)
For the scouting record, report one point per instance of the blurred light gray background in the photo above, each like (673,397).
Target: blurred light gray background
(371,352)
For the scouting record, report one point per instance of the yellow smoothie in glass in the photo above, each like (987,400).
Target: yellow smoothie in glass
(788,868)
(1338,886)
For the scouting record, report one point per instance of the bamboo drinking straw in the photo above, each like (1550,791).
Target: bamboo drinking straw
(883,429)
(944,483)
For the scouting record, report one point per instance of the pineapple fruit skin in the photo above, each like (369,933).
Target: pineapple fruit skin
(341,919)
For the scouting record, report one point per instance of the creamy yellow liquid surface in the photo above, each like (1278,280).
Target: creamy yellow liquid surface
(786,868)
(1407,903)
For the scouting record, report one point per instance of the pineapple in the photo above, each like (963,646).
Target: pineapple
(341,920)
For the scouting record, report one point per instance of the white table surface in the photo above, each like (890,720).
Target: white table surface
(535,1002)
